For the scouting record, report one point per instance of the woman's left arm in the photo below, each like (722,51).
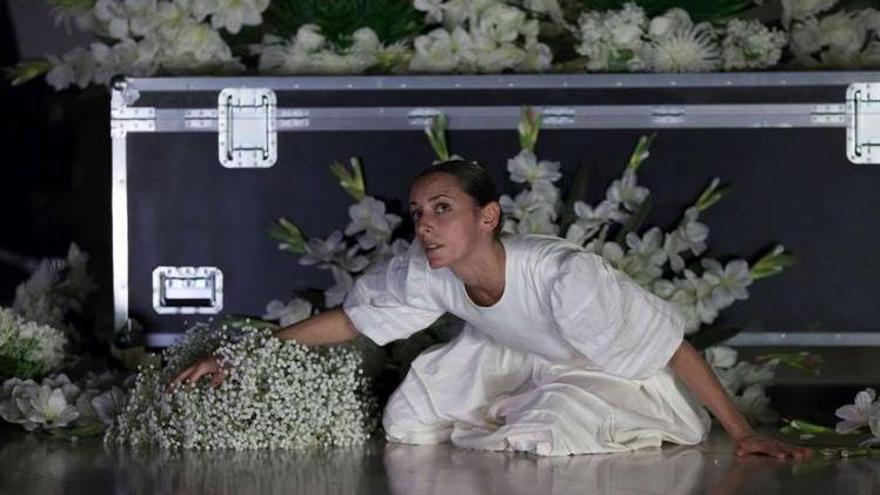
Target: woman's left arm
(693,370)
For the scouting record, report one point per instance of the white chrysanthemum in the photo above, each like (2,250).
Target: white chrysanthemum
(279,394)
(802,9)
(686,50)
(748,44)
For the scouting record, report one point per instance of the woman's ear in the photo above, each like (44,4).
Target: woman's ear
(490,215)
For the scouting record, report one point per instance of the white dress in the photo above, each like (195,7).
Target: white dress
(571,360)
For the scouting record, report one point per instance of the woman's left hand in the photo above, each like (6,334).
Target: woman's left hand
(760,444)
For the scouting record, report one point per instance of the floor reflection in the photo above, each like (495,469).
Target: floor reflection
(35,464)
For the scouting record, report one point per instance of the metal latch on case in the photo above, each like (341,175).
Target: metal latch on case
(246,129)
(187,290)
(863,123)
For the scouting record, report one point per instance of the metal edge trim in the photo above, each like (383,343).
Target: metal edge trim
(805,339)
(119,214)
(517,81)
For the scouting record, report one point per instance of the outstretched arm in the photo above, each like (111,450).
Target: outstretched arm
(329,327)
(693,370)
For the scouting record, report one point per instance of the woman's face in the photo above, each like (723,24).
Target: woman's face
(448,222)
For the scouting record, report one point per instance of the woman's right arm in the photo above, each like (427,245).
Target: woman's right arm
(329,327)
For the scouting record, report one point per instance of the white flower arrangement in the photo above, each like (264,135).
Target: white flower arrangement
(308,52)
(626,40)
(62,407)
(745,382)
(478,36)
(55,289)
(842,39)
(279,394)
(863,413)
(145,37)
(28,349)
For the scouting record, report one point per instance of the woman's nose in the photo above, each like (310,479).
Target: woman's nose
(423,226)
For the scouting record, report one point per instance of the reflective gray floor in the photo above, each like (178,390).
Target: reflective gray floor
(33,464)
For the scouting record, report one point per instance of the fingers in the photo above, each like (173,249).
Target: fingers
(773,448)
(218,377)
(192,375)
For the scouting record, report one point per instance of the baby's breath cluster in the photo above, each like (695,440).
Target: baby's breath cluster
(279,394)
(27,348)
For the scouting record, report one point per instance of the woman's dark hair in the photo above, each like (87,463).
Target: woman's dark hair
(473,179)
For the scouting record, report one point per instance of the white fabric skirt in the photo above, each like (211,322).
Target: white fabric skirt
(480,395)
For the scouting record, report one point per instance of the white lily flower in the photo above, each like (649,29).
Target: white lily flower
(671,21)
(858,414)
(720,356)
(843,33)
(755,405)
(49,408)
(627,192)
(294,311)
(432,8)
(501,22)
(730,281)
(368,216)
(525,167)
(323,252)
(802,9)
(645,259)
(231,14)
(433,53)
(335,295)
(109,405)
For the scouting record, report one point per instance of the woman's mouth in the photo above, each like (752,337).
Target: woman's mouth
(432,247)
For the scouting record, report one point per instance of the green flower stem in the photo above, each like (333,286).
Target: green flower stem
(27,70)
(711,195)
(352,182)
(290,236)
(772,263)
(641,152)
(437,136)
(804,361)
(529,125)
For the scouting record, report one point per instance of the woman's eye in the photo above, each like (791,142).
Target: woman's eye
(416,215)
(441,207)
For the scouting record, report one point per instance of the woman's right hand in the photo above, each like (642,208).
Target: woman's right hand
(206,366)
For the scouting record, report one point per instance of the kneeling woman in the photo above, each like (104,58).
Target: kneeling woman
(560,354)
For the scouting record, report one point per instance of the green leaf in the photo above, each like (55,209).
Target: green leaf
(290,236)
(241,321)
(804,361)
(352,182)
(392,20)
(707,337)
(577,192)
(699,10)
(27,70)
